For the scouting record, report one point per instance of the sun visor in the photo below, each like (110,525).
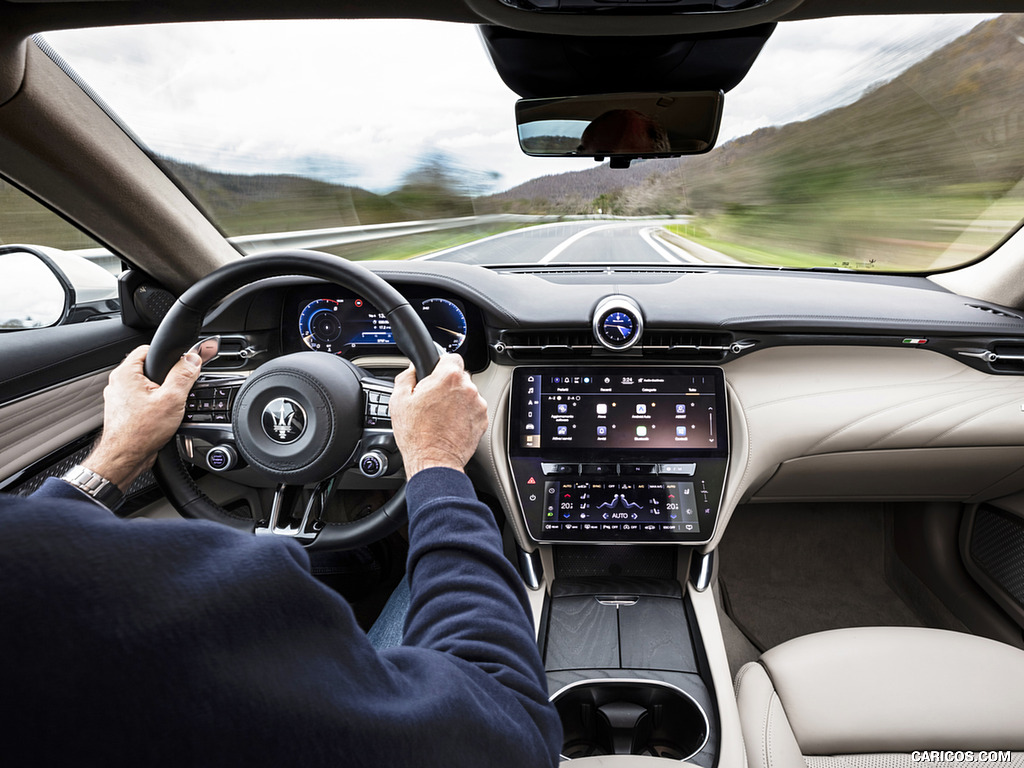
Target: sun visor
(577,66)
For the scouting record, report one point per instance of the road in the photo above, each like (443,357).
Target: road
(577,242)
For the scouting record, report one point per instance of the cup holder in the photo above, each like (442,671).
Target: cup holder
(630,717)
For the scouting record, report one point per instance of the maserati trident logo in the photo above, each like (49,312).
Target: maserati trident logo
(284,421)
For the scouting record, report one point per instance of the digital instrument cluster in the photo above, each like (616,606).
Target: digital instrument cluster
(341,323)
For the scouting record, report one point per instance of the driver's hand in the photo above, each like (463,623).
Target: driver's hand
(139,416)
(439,420)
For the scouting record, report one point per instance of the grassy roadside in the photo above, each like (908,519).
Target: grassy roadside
(763,255)
(903,234)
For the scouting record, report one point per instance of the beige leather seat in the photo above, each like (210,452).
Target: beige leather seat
(878,697)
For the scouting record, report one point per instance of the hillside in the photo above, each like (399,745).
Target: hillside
(938,142)
(252,204)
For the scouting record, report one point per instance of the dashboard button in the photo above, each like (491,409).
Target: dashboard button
(600,469)
(636,469)
(221,458)
(560,469)
(677,469)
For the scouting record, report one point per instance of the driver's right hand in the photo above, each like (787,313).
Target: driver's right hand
(438,421)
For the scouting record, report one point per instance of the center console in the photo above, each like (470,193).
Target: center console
(619,454)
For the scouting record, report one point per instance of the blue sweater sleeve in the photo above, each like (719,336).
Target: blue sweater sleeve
(55,488)
(169,643)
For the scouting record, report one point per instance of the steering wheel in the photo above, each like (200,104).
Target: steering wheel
(298,420)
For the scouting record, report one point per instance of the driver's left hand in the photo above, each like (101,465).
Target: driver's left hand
(140,416)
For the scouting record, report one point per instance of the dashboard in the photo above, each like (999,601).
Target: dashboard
(664,398)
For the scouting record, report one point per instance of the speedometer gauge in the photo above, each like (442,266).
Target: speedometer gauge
(445,321)
(320,327)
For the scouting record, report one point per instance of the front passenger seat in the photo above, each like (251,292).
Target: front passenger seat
(882,697)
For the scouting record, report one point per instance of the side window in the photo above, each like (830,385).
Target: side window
(53,274)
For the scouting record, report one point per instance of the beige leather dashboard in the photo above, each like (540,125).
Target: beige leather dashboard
(840,422)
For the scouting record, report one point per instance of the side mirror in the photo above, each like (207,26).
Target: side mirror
(621,126)
(44,287)
(33,293)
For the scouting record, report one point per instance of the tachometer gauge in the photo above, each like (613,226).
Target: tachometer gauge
(320,327)
(445,321)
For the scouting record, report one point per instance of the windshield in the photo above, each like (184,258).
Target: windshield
(876,144)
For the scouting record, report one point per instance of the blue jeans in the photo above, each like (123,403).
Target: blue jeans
(387,630)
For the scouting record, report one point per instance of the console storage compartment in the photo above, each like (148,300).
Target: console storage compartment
(625,669)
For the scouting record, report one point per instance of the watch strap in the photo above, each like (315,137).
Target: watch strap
(94,485)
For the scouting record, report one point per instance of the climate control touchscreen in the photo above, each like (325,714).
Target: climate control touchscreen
(619,453)
(615,506)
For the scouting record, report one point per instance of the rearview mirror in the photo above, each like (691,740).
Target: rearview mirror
(621,126)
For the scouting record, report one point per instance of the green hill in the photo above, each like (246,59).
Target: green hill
(895,180)
(254,204)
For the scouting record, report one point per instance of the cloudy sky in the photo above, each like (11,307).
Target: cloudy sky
(359,102)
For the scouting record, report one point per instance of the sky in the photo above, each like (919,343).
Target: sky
(359,102)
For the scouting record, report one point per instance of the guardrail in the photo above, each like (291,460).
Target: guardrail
(326,238)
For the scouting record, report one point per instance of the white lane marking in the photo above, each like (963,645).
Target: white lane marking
(520,231)
(648,237)
(557,251)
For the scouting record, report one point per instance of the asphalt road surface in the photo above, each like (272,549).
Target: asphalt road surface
(577,242)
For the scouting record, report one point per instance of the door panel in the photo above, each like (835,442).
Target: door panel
(51,385)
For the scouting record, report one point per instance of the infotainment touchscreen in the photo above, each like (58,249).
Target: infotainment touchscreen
(616,454)
(618,410)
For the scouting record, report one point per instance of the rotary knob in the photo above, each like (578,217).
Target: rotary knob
(373,464)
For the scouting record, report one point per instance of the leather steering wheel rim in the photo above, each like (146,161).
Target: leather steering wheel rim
(181,327)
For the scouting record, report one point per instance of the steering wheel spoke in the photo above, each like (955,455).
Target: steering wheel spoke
(378,453)
(377,396)
(294,514)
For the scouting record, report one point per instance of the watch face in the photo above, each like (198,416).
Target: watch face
(618,327)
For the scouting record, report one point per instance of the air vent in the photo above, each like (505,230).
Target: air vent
(660,271)
(1007,357)
(544,272)
(519,345)
(688,345)
(678,345)
(1000,356)
(995,311)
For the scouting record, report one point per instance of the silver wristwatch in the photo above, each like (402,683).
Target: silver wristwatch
(96,486)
